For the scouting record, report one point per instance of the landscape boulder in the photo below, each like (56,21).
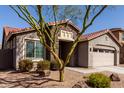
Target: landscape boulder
(44,73)
(114,77)
(80,84)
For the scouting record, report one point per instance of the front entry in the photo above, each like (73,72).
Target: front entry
(64,48)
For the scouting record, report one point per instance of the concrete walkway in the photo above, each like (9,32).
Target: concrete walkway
(114,69)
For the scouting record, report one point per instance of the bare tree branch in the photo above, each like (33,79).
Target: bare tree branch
(92,20)
(86,16)
(85,26)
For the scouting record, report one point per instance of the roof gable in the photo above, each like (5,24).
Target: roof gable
(94,35)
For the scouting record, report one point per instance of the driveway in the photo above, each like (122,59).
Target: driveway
(114,69)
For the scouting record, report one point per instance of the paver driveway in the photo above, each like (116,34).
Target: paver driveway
(114,69)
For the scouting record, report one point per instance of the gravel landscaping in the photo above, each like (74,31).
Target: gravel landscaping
(11,79)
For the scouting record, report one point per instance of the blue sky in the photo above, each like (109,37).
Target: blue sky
(9,18)
(111,18)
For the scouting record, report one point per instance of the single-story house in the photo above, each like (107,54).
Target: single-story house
(101,48)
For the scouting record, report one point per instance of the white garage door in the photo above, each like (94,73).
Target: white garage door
(102,57)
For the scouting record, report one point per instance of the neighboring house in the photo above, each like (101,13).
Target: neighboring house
(119,34)
(100,48)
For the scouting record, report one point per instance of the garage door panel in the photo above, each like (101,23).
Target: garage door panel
(103,59)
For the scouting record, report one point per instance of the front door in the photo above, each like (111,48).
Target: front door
(64,48)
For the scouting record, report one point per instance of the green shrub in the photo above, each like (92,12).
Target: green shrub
(25,65)
(99,80)
(54,65)
(43,65)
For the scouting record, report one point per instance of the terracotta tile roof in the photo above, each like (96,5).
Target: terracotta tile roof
(62,22)
(97,34)
(9,30)
(93,35)
(83,37)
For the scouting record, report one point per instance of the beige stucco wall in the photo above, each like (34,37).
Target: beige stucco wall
(74,58)
(83,54)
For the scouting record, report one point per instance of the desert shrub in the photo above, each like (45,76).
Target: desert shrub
(98,80)
(43,65)
(25,65)
(54,65)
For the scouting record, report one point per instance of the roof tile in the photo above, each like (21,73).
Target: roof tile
(93,35)
(12,30)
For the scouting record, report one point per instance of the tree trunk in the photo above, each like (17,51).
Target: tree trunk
(61,75)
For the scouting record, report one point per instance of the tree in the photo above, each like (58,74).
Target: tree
(88,15)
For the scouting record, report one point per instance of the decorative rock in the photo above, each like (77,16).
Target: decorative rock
(77,86)
(80,84)
(44,73)
(114,77)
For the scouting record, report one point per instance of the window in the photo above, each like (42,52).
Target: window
(29,49)
(95,50)
(101,50)
(106,51)
(34,49)
(39,50)
(112,51)
(90,49)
